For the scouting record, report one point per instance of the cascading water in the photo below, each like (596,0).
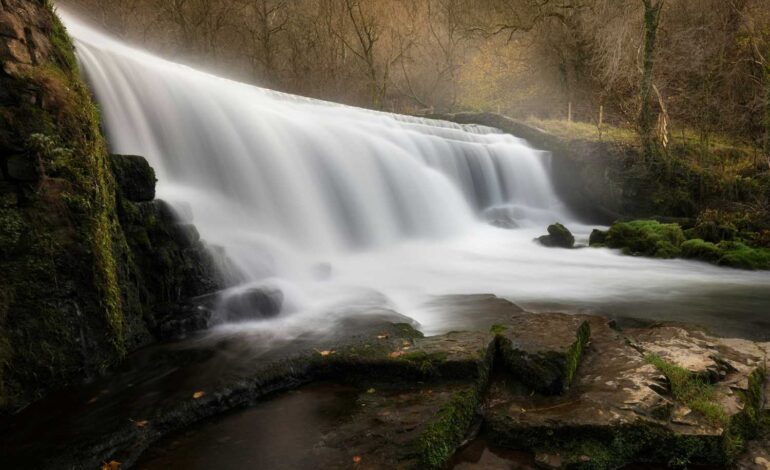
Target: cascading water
(391,203)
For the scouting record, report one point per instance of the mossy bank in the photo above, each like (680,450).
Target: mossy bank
(71,302)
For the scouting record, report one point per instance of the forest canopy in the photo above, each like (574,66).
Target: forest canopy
(706,67)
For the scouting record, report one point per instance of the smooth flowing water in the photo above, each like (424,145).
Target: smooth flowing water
(389,208)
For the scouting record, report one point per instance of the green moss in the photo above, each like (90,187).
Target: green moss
(63,280)
(575,352)
(12,230)
(701,250)
(598,238)
(747,424)
(498,329)
(64,50)
(739,255)
(646,238)
(447,431)
(690,389)
(427,363)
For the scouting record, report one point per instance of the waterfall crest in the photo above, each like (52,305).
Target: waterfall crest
(317,175)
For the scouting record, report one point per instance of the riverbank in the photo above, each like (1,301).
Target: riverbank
(580,391)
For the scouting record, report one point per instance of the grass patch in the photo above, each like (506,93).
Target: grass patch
(584,131)
(691,390)
(498,329)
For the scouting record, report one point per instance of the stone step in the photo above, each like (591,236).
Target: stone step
(544,350)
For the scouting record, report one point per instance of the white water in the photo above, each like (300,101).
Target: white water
(392,203)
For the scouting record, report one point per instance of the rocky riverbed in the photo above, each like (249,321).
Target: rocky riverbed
(572,391)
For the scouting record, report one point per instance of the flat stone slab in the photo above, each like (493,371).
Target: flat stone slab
(543,350)
(619,409)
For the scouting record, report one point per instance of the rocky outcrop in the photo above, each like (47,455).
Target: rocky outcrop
(61,311)
(84,263)
(173,273)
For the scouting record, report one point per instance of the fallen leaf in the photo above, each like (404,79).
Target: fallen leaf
(326,353)
(357,459)
(396,354)
(198,395)
(140,424)
(370,391)
(111,465)
(93,400)
(383,336)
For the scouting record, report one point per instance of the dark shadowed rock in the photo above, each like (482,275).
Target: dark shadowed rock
(597,238)
(255,303)
(180,320)
(134,176)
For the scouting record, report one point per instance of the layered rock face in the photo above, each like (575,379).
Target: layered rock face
(75,293)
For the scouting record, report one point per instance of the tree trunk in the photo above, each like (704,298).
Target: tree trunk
(652,11)
(767,113)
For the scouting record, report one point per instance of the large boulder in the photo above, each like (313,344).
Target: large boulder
(558,237)
(135,177)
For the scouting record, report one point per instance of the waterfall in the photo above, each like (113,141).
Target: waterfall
(391,205)
(319,175)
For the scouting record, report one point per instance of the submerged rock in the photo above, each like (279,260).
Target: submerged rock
(558,237)
(255,303)
(501,217)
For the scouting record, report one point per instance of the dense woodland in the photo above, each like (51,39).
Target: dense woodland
(703,65)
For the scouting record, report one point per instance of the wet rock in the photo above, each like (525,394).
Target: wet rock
(558,237)
(182,320)
(617,409)
(544,350)
(134,176)
(549,461)
(186,234)
(597,238)
(418,397)
(255,303)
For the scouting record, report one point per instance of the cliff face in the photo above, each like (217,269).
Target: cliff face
(73,297)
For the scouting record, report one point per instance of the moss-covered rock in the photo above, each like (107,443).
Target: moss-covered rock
(558,237)
(732,254)
(135,177)
(739,255)
(701,250)
(598,238)
(646,238)
(61,317)
(76,293)
(543,351)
